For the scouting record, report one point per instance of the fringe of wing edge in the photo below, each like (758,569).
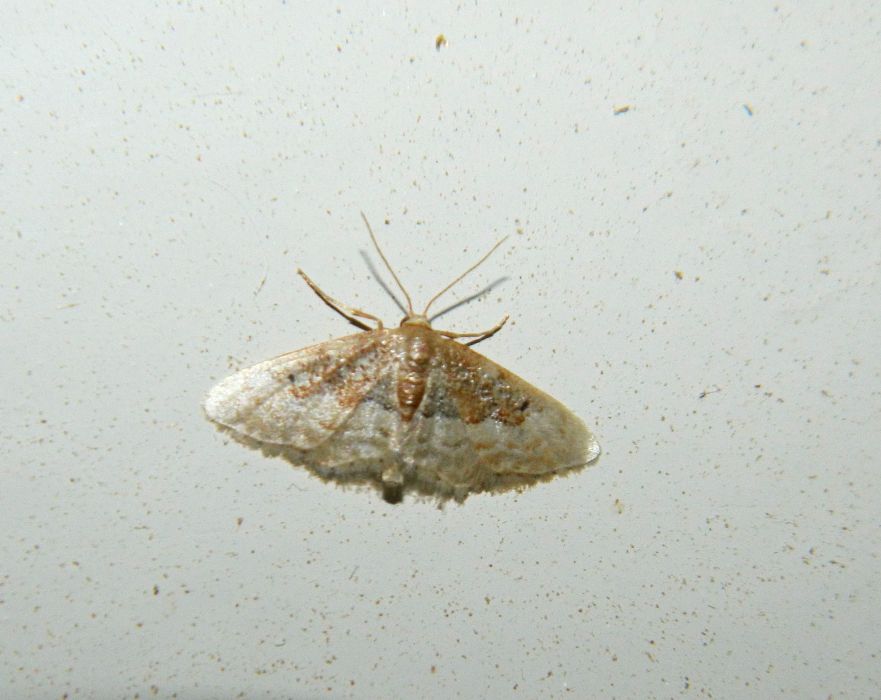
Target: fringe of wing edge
(369,475)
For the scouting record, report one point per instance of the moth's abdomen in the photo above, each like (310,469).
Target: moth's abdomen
(413,374)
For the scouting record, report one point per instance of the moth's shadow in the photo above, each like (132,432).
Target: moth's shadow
(481,292)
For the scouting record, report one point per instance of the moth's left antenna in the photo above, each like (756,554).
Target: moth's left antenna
(388,266)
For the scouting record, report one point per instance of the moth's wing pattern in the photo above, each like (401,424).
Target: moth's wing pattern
(334,408)
(322,407)
(484,428)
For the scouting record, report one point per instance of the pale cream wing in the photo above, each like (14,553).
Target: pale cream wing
(494,428)
(304,398)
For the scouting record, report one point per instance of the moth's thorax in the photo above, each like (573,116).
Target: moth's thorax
(414,361)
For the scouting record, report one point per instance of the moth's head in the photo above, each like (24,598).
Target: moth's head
(415,320)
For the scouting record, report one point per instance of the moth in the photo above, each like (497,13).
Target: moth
(406,409)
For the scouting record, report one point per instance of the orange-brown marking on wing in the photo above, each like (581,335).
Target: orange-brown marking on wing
(350,392)
(349,386)
(479,392)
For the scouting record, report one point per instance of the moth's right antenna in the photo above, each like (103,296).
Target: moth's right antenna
(460,277)
(388,266)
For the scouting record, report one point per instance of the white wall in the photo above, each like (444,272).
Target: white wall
(165,167)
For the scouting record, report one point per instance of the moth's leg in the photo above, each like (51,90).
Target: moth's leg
(483,335)
(347,312)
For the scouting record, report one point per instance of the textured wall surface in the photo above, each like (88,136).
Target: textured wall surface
(693,201)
